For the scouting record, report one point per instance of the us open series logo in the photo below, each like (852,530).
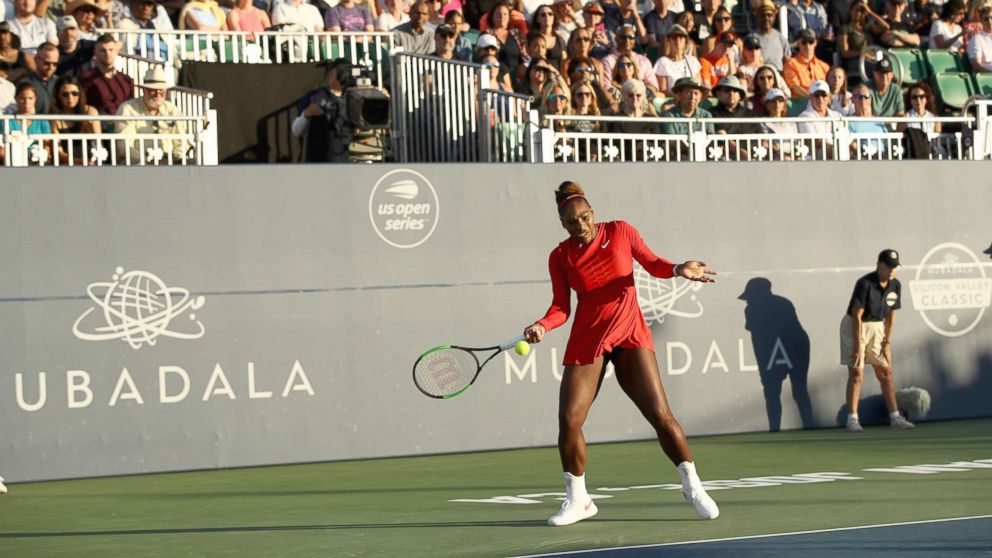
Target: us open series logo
(404,208)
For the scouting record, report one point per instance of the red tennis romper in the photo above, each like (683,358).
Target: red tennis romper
(607,315)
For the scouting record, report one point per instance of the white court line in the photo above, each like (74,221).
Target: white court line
(748,537)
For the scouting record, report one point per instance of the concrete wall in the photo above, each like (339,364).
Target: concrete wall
(166,319)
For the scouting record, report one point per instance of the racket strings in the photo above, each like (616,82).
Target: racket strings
(446,371)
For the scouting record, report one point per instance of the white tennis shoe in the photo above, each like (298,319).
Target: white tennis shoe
(3,489)
(706,508)
(854,425)
(900,423)
(573,513)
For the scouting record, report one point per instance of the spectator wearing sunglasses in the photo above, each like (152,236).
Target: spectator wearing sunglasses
(658,22)
(867,147)
(498,78)
(46,61)
(723,27)
(624,71)
(922,104)
(980,46)
(804,68)
(582,70)
(580,46)
(626,40)
(556,102)
(819,107)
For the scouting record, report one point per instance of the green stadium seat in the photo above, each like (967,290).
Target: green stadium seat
(984,83)
(796,106)
(913,62)
(944,61)
(954,89)
(472,35)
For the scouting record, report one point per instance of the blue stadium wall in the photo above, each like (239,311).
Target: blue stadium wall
(185,318)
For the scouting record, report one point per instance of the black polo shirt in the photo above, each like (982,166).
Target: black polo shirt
(876,301)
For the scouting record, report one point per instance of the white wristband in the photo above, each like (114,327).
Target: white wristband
(675,270)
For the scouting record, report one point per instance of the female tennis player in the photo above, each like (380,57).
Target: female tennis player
(597,262)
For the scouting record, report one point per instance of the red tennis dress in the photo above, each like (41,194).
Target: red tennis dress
(607,315)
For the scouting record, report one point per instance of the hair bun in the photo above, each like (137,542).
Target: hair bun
(566,189)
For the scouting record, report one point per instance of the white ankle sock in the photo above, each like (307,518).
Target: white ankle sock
(687,472)
(575,487)
(894,415)
(852,416)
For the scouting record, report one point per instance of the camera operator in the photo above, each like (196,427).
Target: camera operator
(322,118)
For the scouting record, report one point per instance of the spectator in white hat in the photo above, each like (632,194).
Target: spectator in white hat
(819,107)
(153,102)
(781,148)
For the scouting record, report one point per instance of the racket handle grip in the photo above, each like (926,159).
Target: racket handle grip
(510,343)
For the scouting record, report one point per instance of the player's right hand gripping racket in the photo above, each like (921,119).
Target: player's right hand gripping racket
(446,371)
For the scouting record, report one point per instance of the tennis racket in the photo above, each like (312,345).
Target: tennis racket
(446,371)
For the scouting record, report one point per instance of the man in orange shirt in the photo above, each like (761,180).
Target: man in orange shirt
(804,68)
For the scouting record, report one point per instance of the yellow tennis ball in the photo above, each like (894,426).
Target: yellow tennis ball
(522,348)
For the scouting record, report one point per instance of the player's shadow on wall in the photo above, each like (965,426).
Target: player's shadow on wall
(781,349)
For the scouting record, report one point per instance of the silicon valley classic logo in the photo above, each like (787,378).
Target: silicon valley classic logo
(950,290)
(403,208)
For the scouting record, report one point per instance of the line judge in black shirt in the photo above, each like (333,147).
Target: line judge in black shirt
(866,335)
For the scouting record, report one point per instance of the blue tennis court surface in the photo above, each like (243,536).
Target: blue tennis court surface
(968,537)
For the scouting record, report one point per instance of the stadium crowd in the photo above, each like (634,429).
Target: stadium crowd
(595,57)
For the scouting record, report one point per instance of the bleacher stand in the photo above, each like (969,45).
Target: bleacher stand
(932,68)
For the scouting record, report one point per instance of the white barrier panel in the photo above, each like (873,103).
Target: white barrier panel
(509,124)
(435,110)
(262,47)
(183,140)
(560,140)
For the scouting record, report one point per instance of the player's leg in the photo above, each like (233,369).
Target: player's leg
(579,386)
(3,489)
(855,374)
(638,376)
(875,355)
(888,384)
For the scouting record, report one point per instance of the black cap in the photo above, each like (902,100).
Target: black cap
(4,27)
(807,35)
(445,29)
(883,65)
(752,42)
(889,257)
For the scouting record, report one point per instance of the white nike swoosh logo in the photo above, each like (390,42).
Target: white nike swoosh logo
(605,244)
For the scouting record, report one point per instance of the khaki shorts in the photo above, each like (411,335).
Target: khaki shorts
(872,334)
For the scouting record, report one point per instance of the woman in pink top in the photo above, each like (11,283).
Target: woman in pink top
(246,17)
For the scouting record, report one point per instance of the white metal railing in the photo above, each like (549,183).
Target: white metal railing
(508,126)
(188,144)
(561,141)
(435,108)
(369,48)
(443,110)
